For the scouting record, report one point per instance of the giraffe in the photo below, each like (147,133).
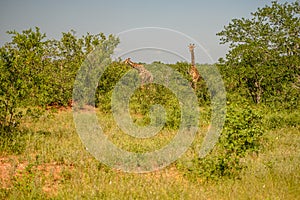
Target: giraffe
(144,74)
(193,70)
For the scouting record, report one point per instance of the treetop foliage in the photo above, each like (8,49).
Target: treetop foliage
(36,71)
(264,52)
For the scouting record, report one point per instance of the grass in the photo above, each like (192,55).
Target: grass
(49,161)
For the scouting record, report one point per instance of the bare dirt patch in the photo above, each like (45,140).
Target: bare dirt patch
(13,170)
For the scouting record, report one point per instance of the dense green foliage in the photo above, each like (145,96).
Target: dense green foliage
(142,99)
(241,135)
(264,58)
(36,71)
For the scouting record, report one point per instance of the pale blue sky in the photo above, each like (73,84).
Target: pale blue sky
(199,19)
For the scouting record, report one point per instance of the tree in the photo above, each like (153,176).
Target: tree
(35,71)
(22,64)
(68,54)
(264,54)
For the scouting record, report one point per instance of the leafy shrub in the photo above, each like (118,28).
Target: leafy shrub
(241,135)
(36,71)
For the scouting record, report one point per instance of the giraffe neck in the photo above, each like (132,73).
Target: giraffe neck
(144,74)
(136,66)
(192,57)
(193,60)
(192,47)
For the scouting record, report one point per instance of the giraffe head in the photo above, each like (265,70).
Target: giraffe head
(127,61)
(192,47)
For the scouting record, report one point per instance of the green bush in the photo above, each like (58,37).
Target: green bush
(37,72)
(242,134)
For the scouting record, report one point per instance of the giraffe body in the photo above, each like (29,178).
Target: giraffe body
(144,74)
(195,74)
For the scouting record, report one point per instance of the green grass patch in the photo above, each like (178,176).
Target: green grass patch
(53,164)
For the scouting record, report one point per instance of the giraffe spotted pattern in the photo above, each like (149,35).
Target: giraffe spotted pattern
(144,74)
(193,70)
